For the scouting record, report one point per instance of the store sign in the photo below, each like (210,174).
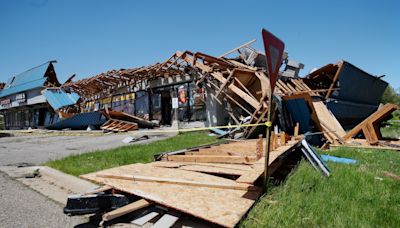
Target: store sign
(5,101)
(175,103)
(21,97)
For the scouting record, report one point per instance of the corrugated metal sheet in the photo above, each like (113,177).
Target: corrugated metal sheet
(58,98)
(357,86)
(22,87)
(27,80)
(349,114)
(80,121)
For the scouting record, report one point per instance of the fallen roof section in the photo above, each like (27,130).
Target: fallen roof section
(58,98)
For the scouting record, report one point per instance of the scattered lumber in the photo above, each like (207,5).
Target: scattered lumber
(196,187)
(119,125)
(122,116)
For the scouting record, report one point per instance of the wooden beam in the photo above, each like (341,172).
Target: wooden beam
(335,78)
(142,203)
(213,159)
(368,126)
(235,186)
(237,48)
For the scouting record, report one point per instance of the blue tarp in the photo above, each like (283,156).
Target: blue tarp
(57,98)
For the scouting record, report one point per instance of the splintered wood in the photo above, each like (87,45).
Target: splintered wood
(195,182)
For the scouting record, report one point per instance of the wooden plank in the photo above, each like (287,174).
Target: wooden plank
(98,190)
(335,78)
(326,117)
(238,167)
(213,159)
(166,221)
(251,177)
(228,79)
(224,207)
(219,152)
(142,203)
(296,130)
(253,102)
(237,48)
(138,178)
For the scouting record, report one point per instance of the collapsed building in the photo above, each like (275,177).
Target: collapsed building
(217,183)
(232,88)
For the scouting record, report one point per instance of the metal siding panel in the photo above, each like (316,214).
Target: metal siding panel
(80,121)
(358,86)
(300,113)
(58,98)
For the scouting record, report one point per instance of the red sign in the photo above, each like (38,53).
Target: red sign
(273,52)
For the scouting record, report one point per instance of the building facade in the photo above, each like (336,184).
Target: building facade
(21,102)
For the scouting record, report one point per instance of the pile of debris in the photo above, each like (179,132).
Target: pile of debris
(219,183)
(216,183)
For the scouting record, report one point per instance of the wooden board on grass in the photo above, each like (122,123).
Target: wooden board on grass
(224,207)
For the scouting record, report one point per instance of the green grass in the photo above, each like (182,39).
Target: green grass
(392,130)
(141,153)
(354,196)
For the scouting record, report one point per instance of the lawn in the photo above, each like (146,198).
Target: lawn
(354,196)
(140,153)
(392,129)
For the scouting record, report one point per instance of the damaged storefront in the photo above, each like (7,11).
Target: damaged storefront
(153,98)
(21,102)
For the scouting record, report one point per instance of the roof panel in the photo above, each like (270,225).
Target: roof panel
(22,87)
(58,98)
(30,79)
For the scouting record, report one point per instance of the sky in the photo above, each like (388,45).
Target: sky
(90,37)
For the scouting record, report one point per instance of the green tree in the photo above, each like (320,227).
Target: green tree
(390,96)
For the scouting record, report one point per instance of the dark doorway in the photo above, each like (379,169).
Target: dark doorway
(42,116)
(166,108)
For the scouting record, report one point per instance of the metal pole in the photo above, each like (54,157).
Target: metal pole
(268,143)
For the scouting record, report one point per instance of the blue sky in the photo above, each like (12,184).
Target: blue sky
(90,37)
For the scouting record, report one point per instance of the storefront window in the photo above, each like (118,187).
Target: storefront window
(197,102)
(142,104)
(156,106)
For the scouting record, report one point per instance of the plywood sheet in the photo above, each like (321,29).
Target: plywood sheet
(224,207)
(328,121)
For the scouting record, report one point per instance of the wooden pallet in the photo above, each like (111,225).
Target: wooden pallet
(119,125)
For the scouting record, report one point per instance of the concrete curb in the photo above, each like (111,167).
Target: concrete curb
(52,183)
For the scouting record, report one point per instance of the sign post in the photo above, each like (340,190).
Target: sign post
(274,48)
